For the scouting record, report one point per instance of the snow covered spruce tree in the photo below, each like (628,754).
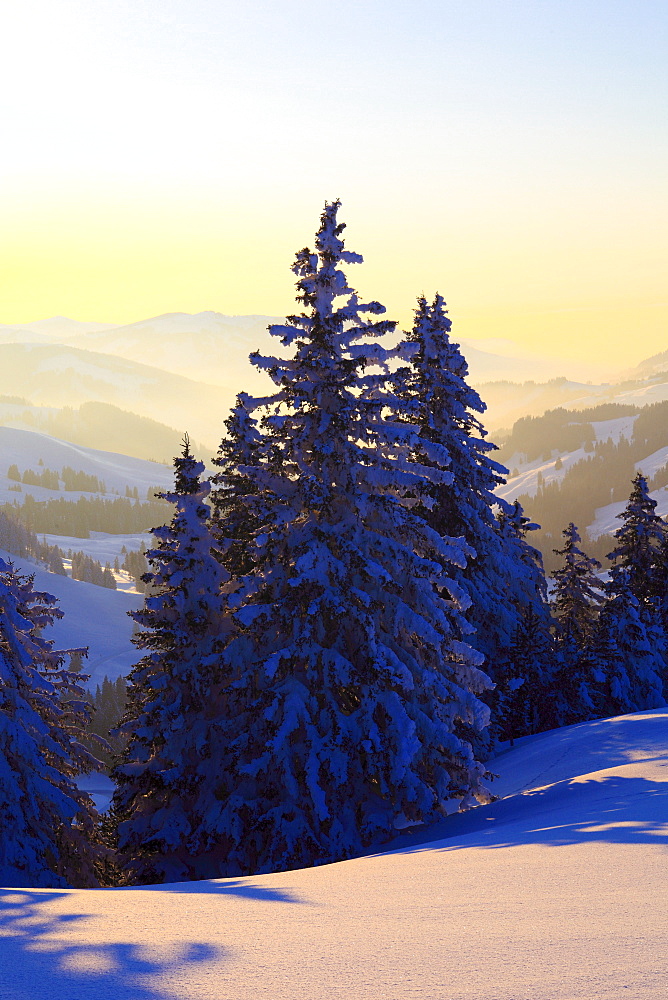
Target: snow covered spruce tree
(630,674)
(351,659)
(237,507)
(638,555)
(576,600)
(177,705)
(503,585)
(633,613)
(529,658)
(48,827)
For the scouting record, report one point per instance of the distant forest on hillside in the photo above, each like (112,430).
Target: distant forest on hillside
(79,517)
(602,477)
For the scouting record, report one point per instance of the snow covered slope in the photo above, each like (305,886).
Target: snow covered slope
(93,616)
(26,448)
(557,892)
(208,345)
(620,447)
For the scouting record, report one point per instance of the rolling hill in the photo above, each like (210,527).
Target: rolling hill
(55,375)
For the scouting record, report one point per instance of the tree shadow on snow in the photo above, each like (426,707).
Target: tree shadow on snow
(37,962)
(610,809)
(228,887)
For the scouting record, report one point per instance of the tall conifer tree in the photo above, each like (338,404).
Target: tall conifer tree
(504,581)
(354,667)
(177,701)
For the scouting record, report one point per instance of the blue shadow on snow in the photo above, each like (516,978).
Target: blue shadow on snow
(36,965)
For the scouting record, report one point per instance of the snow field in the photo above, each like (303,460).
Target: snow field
(557,892)
(105,549)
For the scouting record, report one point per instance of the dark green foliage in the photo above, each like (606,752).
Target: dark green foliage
(136,565)
(638,558)
(81,481)
(522,700)
(78,518)
(91,571)
(577,594)
(576,601)
(47,478)
(108,704)
(19,541)
(649,429)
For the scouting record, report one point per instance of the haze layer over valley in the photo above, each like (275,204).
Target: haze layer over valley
(183,371)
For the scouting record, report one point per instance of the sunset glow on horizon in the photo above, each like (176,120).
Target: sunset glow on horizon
(174,156)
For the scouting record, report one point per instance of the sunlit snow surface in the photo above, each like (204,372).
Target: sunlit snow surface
(558,891)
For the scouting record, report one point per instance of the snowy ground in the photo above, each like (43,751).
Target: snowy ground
(557,892)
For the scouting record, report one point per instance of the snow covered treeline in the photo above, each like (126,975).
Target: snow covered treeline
(315,682)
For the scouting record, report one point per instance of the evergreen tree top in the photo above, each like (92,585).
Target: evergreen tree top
(440,362)
(578,591)
(320,283)
(638,559)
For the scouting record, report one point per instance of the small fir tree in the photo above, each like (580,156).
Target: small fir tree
(176,698)
(576,600)
(578,592)
(638,555)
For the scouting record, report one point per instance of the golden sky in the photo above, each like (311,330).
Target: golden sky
(173,156)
